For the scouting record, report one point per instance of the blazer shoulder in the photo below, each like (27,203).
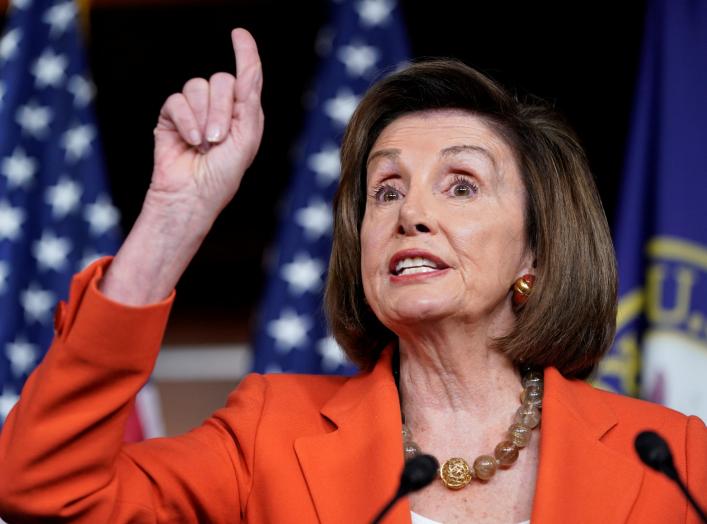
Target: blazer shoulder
(290,389)
(587,397)
(284,396)
(630,416)
(628,408)
(686,435)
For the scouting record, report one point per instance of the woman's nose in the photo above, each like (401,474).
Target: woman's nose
(417,228)
(414,216)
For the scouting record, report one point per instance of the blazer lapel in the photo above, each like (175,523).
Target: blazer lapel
(352,471)
(579,478)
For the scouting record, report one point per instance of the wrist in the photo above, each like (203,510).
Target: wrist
(159,247)
(176,216)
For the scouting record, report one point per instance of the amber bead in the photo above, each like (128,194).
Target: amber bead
(533,394)
(519,435)
(506,453)
(533,377)
(485,467)
(410,449)
(528,415)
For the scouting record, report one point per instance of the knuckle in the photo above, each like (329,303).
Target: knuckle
(174,100)
(195,85)
(177,110)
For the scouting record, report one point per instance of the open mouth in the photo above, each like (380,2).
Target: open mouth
(411,266)
(415,264)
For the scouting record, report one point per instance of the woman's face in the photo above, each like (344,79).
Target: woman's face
(443,234)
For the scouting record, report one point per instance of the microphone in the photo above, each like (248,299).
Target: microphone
(417,473)
(655,453)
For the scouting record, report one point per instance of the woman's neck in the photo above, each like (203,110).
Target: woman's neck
(454,376)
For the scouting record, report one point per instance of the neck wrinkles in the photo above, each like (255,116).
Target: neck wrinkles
(455,376)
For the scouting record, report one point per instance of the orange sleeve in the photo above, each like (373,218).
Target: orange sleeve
(696,464)
(62,454)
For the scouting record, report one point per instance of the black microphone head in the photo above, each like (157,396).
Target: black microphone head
(654,452)
(417,473)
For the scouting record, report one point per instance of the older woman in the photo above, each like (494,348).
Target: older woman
(470,253)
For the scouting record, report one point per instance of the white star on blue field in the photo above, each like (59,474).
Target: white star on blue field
(364,40)
(55,212)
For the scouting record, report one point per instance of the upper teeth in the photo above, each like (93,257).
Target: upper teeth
(419,265)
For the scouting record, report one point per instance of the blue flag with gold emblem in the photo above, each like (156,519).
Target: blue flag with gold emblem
(365,39)
(660,352)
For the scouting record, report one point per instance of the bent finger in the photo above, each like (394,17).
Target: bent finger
(196,92)
(221,92)
(177,111)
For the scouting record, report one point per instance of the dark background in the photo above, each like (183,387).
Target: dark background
(580,56)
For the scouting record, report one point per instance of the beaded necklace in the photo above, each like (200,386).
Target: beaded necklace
(455,473)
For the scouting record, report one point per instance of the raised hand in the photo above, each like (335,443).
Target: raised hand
(205,139)
(207,135)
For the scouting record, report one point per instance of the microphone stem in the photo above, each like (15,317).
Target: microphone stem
(692,501)
(385,510)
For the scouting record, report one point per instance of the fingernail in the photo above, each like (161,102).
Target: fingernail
(213,134)
(194,137)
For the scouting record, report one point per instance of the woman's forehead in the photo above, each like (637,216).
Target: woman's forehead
(443,134)
(448,130)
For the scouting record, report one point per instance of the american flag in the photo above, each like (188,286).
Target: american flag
(55,211)
(365,39)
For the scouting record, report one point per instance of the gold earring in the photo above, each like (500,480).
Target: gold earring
(522,288)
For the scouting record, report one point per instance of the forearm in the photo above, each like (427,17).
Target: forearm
(157,251)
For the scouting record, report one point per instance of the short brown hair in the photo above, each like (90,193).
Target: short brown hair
(570,319)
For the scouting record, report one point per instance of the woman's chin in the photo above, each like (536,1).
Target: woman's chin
(421,312)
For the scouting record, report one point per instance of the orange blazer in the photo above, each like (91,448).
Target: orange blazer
(291,448)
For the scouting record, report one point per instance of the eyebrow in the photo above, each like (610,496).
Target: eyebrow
(383,153)
(456,150)
(393,154)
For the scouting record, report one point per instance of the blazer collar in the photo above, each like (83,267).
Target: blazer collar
(579,477)
(353,471)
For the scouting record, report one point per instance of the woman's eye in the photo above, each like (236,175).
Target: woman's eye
(386,193)
(463,188)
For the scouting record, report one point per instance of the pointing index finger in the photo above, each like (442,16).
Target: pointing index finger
(246,53)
